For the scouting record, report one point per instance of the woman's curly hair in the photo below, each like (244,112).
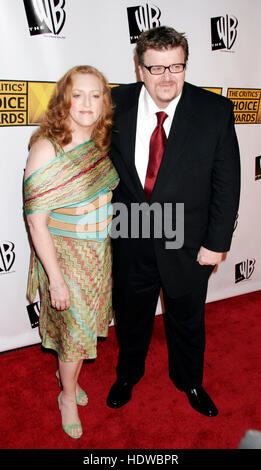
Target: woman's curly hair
(55,124)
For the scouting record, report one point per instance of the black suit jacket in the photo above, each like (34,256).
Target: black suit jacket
(200,168)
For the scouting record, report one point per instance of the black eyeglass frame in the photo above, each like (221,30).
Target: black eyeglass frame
(149,67)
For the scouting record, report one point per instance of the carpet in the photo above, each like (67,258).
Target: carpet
(158,416)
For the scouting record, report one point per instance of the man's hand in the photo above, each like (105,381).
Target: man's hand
(208,257)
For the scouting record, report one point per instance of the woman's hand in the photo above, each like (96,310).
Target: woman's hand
(60,296)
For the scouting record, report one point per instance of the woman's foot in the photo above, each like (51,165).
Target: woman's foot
(71,423)
(81,395)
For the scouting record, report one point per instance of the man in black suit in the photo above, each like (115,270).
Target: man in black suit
(198,168)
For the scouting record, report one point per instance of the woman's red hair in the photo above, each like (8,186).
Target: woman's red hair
(55,124)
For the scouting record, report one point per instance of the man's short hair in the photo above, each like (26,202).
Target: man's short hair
(160,38)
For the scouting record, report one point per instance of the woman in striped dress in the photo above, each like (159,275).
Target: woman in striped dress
(68,186)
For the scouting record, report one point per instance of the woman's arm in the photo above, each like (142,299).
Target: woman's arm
(41,153)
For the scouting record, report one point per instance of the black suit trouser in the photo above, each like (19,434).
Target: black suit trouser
(135,298)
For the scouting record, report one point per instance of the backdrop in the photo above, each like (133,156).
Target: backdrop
(42,39)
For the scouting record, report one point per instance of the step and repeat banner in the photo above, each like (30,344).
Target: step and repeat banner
(42,39)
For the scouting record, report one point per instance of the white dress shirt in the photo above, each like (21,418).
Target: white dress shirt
(146,123)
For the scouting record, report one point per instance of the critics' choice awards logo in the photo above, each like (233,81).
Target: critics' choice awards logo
(142,18)
(7,256)
(23,103)
(247,105)
(244,270)
(223,32)
(45,16)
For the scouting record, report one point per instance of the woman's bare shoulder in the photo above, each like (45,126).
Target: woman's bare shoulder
(41,152)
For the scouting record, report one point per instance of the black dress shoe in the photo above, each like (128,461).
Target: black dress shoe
(201,401)
(120,394)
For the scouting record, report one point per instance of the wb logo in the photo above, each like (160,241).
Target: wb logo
(244,270)
(142,18)
(7,256)
(45,16)
(223,32)
(33,313)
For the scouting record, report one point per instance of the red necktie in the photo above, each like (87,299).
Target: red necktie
(157,144)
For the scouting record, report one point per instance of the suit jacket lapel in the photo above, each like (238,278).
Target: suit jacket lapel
(126,125)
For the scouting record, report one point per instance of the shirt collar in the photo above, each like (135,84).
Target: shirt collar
(150,108)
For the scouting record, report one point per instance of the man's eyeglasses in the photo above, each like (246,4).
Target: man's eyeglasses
(160,69)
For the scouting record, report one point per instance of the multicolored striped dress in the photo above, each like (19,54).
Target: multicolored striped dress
(76,187)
